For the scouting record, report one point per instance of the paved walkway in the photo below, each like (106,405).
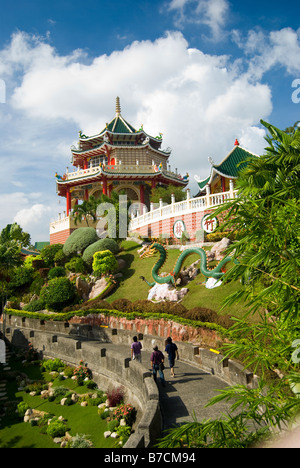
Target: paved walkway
(181,397)
(187,393)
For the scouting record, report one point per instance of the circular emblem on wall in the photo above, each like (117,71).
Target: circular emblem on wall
(209,224)
(178,228)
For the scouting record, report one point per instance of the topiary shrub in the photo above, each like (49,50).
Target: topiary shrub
(124,305)
(100,245)
(104,262)
(79,240)
(58,293)
(56,272)
(202,315)
(76,265)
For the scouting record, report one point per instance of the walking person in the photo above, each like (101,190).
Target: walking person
(136,348)
(157,364)
(172,350)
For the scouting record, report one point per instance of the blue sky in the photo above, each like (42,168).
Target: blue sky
(202,72)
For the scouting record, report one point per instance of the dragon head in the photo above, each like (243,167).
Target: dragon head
(148,251)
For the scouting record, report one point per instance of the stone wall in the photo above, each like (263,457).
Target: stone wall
(85,338)
(203,337)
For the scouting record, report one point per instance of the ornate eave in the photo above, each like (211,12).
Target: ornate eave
(229,167)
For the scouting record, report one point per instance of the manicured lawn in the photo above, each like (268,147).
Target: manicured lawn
(133,288)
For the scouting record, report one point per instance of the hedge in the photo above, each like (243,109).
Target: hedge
(64,317)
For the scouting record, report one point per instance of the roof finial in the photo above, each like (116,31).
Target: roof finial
(236,143)
(118,106)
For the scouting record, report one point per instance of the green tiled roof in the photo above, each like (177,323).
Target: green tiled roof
(41,245)
(119,125)
(234,162)
(203,183)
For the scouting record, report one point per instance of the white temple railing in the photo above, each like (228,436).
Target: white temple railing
(156,213)
(190,205)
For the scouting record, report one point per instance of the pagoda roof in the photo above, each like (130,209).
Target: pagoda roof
(232,164)
(120,131)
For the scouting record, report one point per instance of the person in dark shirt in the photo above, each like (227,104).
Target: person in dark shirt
(157,364)
(172,350)
(136,347)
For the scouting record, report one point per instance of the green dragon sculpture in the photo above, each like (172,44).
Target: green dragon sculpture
(172,276)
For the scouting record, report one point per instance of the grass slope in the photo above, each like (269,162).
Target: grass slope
(133,288)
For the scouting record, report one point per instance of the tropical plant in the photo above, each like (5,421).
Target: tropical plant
(86,211)
(14,232)
(266,217)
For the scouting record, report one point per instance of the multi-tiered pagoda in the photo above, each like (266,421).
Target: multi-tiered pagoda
(119,158)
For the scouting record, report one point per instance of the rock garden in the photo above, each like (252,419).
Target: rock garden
(50,404)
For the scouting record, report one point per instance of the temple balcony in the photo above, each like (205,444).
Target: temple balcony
(119,169)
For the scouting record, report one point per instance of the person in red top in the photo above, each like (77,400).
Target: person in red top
(157,360)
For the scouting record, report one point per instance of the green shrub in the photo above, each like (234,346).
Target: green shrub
(48,254)
(37,285)
(51,365)
(69,371)
(22,276)
(100,245)
(56,272)
(76,265)
(79,240)
(56,429)
(123,433)
(60,392)
(38,262)
(81,441)
(22,408)
(112,425)
(104,262)
(35,306)
(60,258)
(58,293)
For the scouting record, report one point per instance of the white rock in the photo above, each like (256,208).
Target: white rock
(114,435)
(107,434)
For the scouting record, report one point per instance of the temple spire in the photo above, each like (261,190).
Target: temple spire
(118,106)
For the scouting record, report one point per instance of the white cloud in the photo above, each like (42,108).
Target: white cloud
(212,13)
(199,102)
(35,219)
(268,50)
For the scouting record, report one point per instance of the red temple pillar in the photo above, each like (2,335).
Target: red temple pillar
(68,202)
(223,184)
(104,186)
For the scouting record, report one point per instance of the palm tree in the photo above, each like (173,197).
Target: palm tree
(87,210)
